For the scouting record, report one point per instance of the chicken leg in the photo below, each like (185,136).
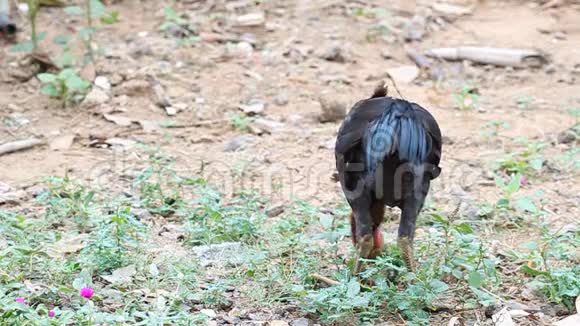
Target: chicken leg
(364,248)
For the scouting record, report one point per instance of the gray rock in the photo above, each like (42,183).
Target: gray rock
(238,143)
(332,109)
(281,99)
(253,107)
(268,126)
(301,322)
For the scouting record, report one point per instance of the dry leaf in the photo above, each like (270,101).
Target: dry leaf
(456,321)
(503,318)
(32,287)
(62,143)
(121,275)
(118,120)
(66,246)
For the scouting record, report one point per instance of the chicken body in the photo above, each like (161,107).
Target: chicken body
(387,152)
(7,28)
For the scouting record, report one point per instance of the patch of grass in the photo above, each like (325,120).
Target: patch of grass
(553,263)
(239,121)
(527,161)
(467,98)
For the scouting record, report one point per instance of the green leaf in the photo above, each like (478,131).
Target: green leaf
(532,271)
(439,286)
(171,14)
(464,228)
(98,9)
(439,218)
(475,279)
(353,289)
(503,203)
(87,32)
(537,164)
(514,184)
(525,204)
(326,221)
(46,78)
(41,36)
(22,47)
(110,18)
(66,73)
(67,59)
(76,83)
(74,10)
(530,245)
(50,90)
(62,39)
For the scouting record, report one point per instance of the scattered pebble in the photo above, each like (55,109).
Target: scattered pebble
(95,98)
(238,143)
(332,109)
(103,83)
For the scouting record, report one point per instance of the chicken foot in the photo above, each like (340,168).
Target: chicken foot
(364,248)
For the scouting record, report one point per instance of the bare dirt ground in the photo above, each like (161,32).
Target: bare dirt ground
(288,152)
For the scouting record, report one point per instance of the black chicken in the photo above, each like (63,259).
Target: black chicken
(7,28)
(387,152)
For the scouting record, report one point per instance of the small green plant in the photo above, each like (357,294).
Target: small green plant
(239,121)
(525,162)
(524,102)
(507,201)
(214,222)
(35,36)
(493,128)
(160,186)
(67,199)
(467,98)
(67,86)
(113,240)
(553,263)
(175,25)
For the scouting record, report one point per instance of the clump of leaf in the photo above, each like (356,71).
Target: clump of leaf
(67,86)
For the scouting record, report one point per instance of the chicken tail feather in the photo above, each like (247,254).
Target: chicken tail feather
(396,132)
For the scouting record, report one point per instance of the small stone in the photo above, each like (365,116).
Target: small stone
(239,143)
(332,109)
(243,49)
(254,107)
(559,36)
(301,322)
(550,68)
(335,53)
(103,83)
(404,74)
(278,323)
(386,54)
(171,111)
(95,98)
(268,126)
(208,312)
(249,20)
(281,99)
(135,87)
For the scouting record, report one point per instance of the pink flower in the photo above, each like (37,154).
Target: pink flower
(87,292)
(523,181)
(21,300)
(51,313)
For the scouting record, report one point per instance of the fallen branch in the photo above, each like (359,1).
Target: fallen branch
(324,279)
(19,145)
(494,56)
